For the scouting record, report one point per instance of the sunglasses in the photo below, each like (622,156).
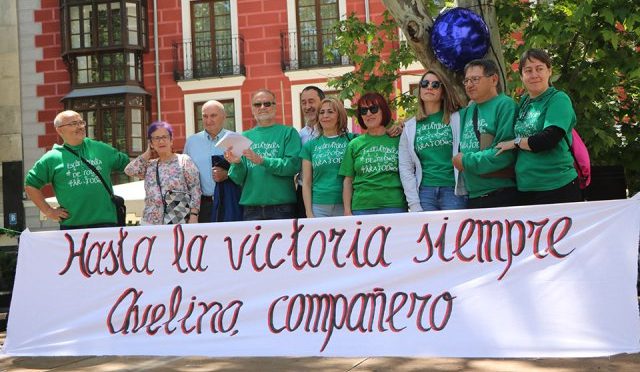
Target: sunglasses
(373,109)
(434,84)
(261,104)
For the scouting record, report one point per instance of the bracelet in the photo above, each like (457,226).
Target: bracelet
(193,214)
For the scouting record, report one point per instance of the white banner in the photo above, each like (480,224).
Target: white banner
(545,281)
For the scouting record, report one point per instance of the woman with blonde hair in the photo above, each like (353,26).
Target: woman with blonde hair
(321,158)
(428,177)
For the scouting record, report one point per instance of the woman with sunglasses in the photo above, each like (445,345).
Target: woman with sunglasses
(163,170)
(321,159)
(370,165)
(426,145)
(545,172)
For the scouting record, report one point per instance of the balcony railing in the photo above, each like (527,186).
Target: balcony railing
(303,50)
(208,58)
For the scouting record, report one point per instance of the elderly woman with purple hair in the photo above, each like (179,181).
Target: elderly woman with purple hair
(164,172)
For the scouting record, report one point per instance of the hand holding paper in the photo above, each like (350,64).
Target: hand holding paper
(238,142)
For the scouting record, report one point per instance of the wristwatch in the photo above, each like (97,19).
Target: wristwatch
(516,142)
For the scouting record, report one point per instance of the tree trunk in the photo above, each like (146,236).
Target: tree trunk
(416,24)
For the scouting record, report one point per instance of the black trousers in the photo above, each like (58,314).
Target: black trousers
(206,205)
(566,194)
(301,211)
(503,197)
(268,212)
(92,226)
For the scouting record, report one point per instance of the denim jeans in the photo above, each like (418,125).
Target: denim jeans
(327,210)
(363,212)
(440,198)
(268,212)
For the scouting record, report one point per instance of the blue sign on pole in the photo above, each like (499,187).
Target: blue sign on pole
(13,219)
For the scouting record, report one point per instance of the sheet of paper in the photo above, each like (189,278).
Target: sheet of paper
(238,141)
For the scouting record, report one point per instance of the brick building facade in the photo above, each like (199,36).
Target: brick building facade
(100,58)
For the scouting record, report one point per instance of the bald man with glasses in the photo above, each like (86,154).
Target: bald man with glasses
(84,201)
(201,147)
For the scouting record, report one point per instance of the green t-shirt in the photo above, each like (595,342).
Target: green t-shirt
(433,143)
(325,155)
(77,188)
(271,182)
(545,170)
(372,162)
(495,119)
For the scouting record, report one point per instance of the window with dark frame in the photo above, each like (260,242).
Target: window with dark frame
(103,42)
(229,109)
(117,120)
(315,20)
(105,24)
(212,41)
(80,26)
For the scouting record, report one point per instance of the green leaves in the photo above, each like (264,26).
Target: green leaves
(594,45)
(377,53)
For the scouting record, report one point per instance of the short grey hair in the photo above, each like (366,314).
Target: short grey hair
(58,120)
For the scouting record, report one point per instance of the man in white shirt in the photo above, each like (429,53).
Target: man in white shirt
(310,100)
(200,147)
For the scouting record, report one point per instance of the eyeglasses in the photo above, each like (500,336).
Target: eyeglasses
(373,109)
(76,124)
(473,79)
(263,104)
(434,84)
(160,138)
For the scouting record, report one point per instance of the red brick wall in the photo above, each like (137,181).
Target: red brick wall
(171,96)
(260,23)
(56,77)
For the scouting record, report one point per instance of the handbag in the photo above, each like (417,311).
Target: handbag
(118,201)
(175,203)
(121,209)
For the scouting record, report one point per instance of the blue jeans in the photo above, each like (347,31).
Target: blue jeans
(268,212)
(440,198)
(363,212)
(327,210)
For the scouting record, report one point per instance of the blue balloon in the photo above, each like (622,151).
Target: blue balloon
(458,37)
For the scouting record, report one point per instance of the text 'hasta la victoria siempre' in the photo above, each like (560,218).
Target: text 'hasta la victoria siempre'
(475,241)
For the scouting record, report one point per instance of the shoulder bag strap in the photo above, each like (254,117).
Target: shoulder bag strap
(183,161)
(164,202)
(93,169)
(475,122)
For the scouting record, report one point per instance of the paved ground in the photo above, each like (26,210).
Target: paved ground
(629,363)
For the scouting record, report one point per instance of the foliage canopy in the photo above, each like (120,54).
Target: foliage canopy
(594,45)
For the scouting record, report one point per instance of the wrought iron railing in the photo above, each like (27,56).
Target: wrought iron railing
(204,58)
(302,50)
